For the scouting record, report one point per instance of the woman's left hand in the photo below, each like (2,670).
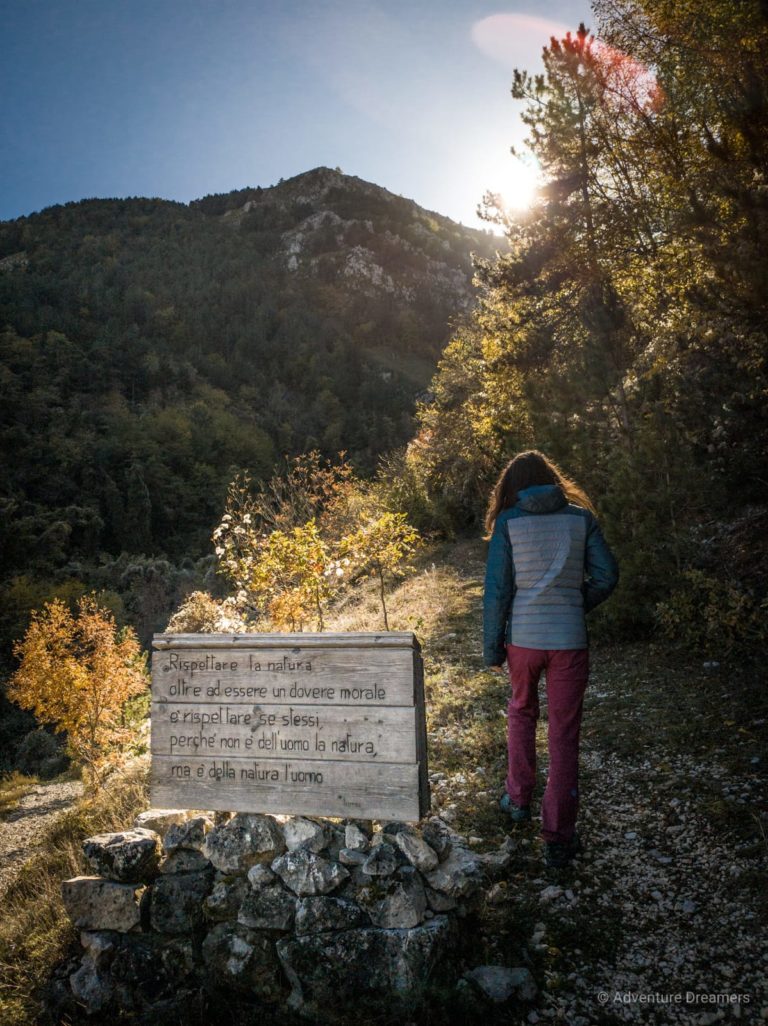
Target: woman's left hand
(496,669)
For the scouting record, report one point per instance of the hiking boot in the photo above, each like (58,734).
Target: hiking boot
(558,854)
(517,813)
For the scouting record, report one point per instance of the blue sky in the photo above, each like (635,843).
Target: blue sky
(180,98)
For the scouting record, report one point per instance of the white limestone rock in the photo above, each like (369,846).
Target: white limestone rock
(323,913)
(269,908)
(354,838)
(190,834)
(382,860)
(225,898)
(160,820)
(185,860)
(401,907)
(307,873)
(244,841)
(260,875)
(416,850)
(304,833)
(459,876)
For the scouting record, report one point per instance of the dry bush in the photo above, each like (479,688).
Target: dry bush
(200,613)
(13,787)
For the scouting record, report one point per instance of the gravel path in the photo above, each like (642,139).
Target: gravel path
(677,900)
(663,920)
(20,830)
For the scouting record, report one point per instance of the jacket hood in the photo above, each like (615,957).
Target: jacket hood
(541,498)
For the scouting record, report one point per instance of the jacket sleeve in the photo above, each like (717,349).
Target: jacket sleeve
(497,596)
(600,568)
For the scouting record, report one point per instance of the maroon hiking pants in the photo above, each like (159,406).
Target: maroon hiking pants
(567,671)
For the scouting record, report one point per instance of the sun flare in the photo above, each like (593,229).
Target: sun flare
(515,180)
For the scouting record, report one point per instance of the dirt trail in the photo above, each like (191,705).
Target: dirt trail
(21,830)
(664,918)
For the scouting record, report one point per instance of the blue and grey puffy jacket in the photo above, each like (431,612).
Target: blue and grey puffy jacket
(548,565)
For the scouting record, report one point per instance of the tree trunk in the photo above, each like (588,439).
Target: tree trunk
(383,603)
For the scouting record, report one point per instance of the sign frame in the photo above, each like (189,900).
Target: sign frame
(364,684)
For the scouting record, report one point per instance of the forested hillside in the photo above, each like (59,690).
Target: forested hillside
(149,347)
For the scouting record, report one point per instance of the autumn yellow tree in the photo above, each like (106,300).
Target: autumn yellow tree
(76,672)
(287,573)
(381,548)
(310,488)
(296,545)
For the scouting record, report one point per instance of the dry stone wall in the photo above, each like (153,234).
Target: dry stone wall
(311,915)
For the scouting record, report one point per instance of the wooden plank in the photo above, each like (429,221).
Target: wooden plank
(284,674)
(319,732)
(290,787)
(300,639)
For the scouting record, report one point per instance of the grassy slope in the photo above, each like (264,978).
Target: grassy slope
(13,787)
(668,755)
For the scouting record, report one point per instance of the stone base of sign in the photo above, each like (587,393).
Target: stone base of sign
(322,917)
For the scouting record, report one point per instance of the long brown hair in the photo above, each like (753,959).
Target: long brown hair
(526,469)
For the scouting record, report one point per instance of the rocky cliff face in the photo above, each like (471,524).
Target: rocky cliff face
(337,225)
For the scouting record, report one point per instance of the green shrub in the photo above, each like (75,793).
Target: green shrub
(40,753)
(712,615)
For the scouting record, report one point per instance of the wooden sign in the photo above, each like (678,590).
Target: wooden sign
(313,724)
